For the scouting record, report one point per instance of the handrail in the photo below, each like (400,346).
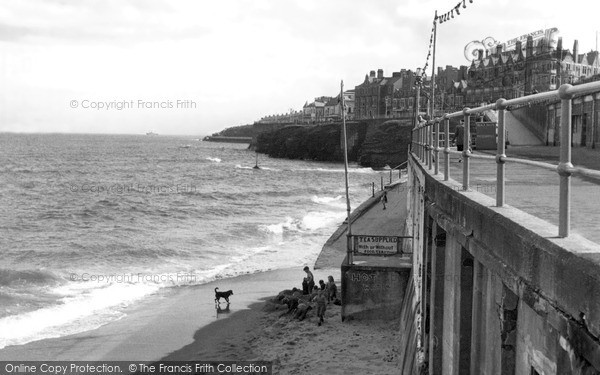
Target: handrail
(425,147)
(398,168)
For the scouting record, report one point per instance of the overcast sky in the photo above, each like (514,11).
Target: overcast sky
(229,62)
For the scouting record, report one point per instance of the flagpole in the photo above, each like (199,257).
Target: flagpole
(349,234)
(433,68)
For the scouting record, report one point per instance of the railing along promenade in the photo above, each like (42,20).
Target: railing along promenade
(391,170)
(426,147)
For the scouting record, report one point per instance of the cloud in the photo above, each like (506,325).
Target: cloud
(41,21)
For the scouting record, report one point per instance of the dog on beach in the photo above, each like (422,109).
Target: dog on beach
(224,295)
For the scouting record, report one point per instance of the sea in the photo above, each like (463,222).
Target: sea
(92,224)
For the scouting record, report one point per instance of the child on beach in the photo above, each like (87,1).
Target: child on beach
(331,289)
(302,310)
(322,284)
(384,199)
(309,281)
(321,305)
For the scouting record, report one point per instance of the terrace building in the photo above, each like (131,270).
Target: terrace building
(537,67)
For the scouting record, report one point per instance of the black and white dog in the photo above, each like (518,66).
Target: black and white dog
(225,295)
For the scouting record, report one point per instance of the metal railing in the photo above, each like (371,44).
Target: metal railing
(426,147)
(396,168)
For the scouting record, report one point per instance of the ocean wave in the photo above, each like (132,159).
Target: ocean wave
(215,160)
(76,312)
(331,201)
(288,225)
(310,222)
(10,277)
(318,220)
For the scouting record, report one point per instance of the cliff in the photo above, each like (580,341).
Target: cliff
(386,144)
(301,142)
(371,143)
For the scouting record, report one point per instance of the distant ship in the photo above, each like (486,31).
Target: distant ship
(151,133)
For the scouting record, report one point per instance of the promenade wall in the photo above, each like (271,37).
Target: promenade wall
(498,292)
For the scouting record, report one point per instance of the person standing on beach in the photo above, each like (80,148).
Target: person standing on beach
(331,289)
(309,280)
(321,305)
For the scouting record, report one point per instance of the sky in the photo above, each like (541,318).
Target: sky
(194,67)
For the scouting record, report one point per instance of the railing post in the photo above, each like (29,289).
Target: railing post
(430,143)
(419,150)
(419,143)
(424,147)
(466,145)
(373,187)
(501,153)
(565,168)
(381,183)
(425,143)
(436,146)
(390,176)
(447,148)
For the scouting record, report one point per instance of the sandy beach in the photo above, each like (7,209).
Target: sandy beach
(298,347)
(186,326)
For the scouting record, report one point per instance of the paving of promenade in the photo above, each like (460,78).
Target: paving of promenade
(530,189)
(535,190)
(368,219)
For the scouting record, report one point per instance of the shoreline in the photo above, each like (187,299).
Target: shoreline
(163,323)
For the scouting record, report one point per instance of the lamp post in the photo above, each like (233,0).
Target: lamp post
(349,248)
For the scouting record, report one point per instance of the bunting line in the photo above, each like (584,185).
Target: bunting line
(424,71)
(448,16)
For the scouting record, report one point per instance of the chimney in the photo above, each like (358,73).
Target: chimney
(379,73)
(371,75)
(518,47)
(479,54)
(559,45)
(499,49)
(529,47)
(576,51)
(545,45)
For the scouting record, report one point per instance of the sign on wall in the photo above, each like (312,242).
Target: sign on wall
(377,245)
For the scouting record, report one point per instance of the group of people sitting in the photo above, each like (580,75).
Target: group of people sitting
(300,302)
